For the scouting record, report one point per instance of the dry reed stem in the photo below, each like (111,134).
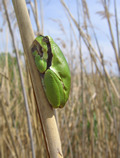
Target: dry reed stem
(41,16)
(117,27)
(107,15)
(46,113)
(9,130)
(35,14)
(22,82)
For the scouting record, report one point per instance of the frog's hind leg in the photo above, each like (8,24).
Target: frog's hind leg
(53,88)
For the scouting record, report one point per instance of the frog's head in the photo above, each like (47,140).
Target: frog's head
(41,50)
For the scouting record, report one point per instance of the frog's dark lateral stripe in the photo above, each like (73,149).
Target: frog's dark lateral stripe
(49,54)
(37,47)
(49,60)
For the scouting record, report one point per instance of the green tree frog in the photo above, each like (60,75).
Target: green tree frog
(54,70)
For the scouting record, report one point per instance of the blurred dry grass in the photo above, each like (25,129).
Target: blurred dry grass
(89,124)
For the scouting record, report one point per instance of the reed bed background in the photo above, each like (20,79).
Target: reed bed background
(89,124)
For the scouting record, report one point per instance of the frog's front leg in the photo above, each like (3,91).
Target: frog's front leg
(54,89)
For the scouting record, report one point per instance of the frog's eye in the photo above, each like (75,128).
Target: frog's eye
(39,50)
(45,39)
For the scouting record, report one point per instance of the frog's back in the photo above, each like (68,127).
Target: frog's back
(60,67)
